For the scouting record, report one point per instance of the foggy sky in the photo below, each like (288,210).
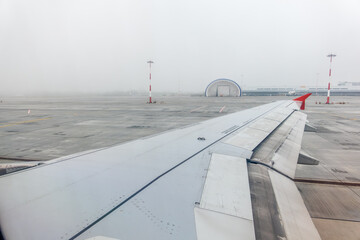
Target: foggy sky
(103,45)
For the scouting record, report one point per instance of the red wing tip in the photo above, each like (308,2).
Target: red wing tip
(302,98)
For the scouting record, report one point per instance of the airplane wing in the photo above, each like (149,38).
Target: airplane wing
(225,178)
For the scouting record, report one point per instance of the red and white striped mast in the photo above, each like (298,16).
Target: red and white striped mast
(150,62)
(328,94)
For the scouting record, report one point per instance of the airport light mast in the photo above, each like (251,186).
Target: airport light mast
(150,62)
(328,93)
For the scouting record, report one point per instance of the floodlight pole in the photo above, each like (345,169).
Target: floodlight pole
(150,62)
(328,94)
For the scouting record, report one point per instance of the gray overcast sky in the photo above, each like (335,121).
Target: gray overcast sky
(103,45)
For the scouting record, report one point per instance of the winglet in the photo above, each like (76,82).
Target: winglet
(302,100)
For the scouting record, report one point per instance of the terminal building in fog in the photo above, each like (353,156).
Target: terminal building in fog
(223,87)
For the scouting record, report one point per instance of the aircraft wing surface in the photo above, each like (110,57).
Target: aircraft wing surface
(225,178)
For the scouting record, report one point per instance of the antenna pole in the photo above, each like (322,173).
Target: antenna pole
(328,93)
(150,62)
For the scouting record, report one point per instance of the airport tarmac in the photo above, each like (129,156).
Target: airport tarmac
(44,128)
(61,126)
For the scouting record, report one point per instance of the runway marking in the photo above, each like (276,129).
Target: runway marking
(347,118)
(195,109)
(222,109)
(28,121)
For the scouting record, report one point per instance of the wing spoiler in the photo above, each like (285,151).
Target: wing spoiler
(302,100)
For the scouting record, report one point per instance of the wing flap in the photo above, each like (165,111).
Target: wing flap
(282,147)
(286,157)
(251,136)
(226,188)
(212,225)
(295,217)
(225,210)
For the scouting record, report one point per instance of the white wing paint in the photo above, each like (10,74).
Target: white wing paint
(168,186)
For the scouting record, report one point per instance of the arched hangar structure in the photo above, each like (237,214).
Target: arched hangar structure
(223,87)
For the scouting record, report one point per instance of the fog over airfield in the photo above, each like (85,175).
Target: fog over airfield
(103,45)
